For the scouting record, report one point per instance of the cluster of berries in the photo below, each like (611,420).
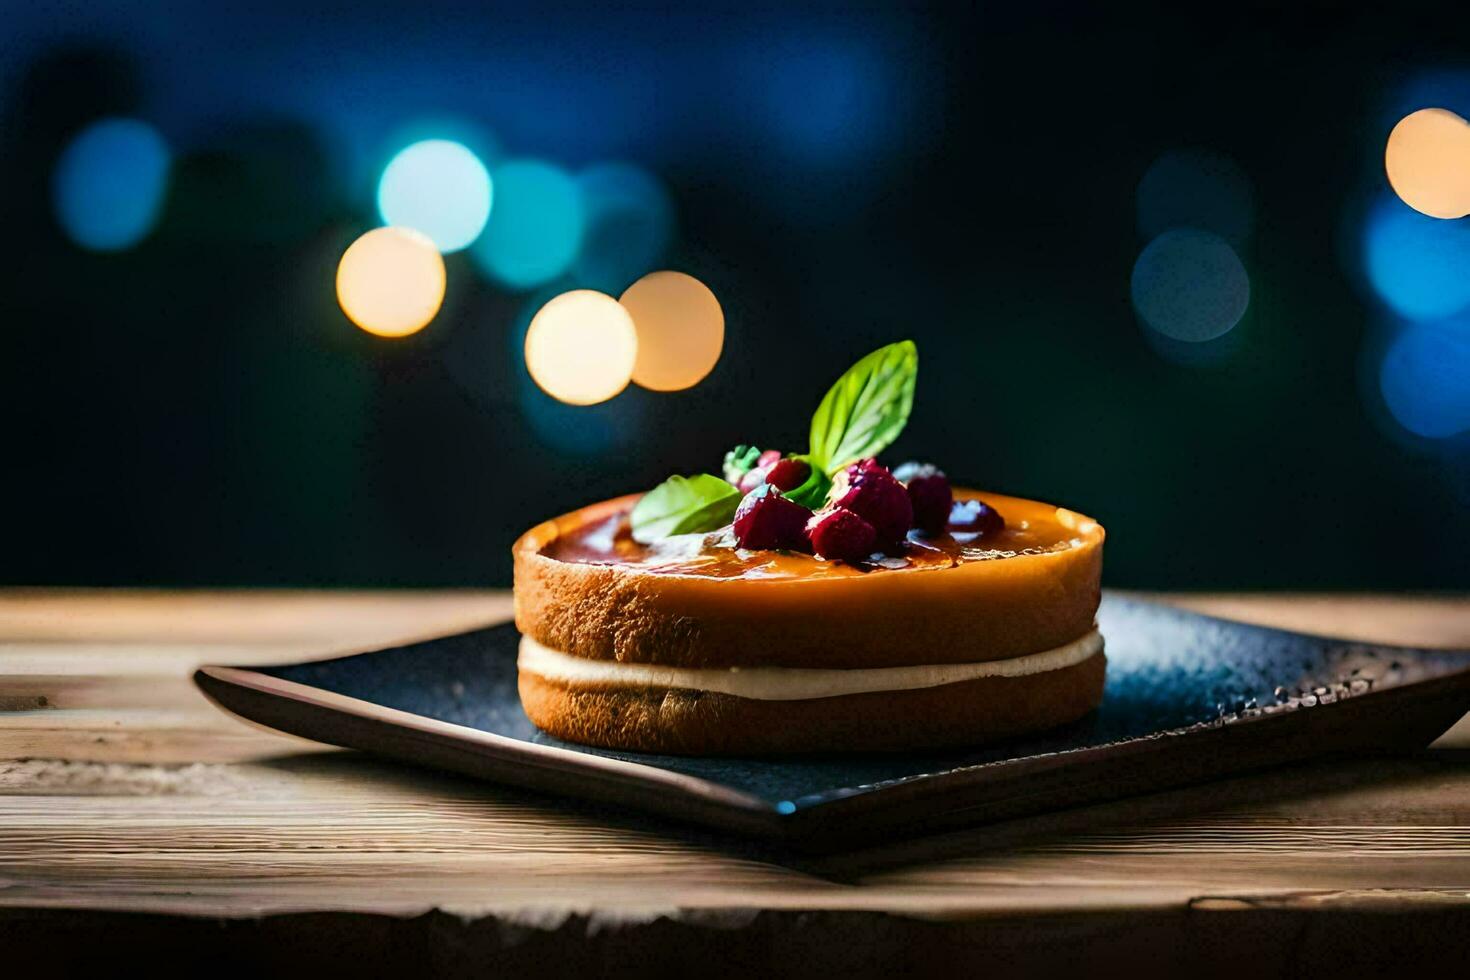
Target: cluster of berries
(868,510)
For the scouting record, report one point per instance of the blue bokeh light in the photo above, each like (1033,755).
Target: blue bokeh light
(828,100)
(1190,285)
(1196,189)
(535,229)
(1425,377)
(110,184)
(438,187)
(1448,88)
(630,221)
(1419,266)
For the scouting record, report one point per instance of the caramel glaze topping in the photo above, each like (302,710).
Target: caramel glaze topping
(1030,530)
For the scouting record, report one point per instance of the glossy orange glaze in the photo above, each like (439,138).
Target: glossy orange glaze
(1031,528)
(584,588)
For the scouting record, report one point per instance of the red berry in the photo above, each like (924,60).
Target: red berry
(929,493)
(839,534)
(760,472)
(871,492)
(788,474)
(767,520)
(974,517)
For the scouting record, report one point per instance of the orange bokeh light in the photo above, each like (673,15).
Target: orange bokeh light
(390,281)
(1428,162)
(681,330)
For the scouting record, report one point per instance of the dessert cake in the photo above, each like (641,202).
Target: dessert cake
(817,602)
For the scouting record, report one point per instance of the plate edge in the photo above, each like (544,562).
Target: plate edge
(499,746)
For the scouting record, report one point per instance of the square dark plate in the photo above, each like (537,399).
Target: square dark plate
(1188,698)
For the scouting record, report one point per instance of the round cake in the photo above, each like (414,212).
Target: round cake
(811,602)
(693,645)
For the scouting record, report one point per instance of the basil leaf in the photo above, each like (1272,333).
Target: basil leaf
(866,409)
(684,505)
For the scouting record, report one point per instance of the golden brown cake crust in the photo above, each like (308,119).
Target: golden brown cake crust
(980,611)
(684,722)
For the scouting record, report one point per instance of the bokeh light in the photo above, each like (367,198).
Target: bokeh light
(1190,285)
(1418,265)
(581,430)
(110,184)
(829,101)
(1425,378)
(1196,189)
(681,330)
(390,281)
(581,347)
(615,425)
(1428,162)
(1198,353)
(535,228)
(630,220)
(438,187)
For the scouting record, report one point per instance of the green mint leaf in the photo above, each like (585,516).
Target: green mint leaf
(812,493)
(684,505)
(866,409)
(739,462)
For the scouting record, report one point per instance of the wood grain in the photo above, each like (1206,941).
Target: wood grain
(121,789)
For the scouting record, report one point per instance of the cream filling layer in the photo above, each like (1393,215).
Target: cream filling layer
(792,683)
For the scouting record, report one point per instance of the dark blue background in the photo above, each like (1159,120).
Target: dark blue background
(197,409)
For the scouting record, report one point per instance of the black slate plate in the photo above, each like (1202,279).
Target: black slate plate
(1188,698)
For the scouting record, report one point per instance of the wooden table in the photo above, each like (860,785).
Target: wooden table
(139,825)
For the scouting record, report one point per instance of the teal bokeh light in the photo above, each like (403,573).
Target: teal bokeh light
(438,187)
(110,184)
(1425,378)
(535,229)
(629,222)
(1196,189)
(1190,286)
